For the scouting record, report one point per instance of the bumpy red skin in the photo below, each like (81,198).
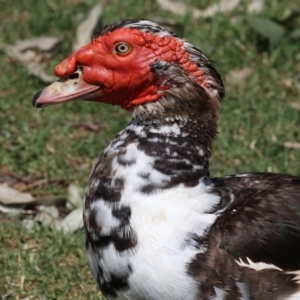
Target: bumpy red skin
(126,79)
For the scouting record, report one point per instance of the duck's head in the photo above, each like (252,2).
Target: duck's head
(132,63)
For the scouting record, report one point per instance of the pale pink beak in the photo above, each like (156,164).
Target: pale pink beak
(71,88)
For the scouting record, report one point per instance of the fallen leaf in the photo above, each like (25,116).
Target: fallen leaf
(10,196)
(274,138)
(252,145)
(223,6)
(91,126)
(50,210)
(239,75)
(72,222)
(94,127)
(44,218)
(256,6)
(75,198)
(268,29)
(11,211)
(22,281)
(6,295)
(32,53)
(28,224)
(24,186)
(49,200)
(176,7)
(181,8)
(291,145)
(38,71)
(42,43)
(287,82)
(86,28)
(295,105)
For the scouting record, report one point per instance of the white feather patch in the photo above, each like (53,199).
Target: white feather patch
(297,276)
(244,289)
(295,296)
(220,294)
(256,266)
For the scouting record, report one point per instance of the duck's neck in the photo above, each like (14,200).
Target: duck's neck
(157,154)
(148,158)
(179,152)
(177,131)
(168,143)
(178,136)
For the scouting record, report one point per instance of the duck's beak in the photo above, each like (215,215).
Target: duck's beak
(72,88)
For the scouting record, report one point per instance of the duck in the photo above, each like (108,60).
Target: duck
(157,225)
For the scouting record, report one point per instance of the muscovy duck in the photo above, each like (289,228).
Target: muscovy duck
(157,225)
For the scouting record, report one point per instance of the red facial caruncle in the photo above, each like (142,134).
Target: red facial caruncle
(115,68)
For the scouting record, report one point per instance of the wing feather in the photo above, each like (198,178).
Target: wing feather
(259,218)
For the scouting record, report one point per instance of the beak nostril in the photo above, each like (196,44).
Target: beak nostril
(74,76)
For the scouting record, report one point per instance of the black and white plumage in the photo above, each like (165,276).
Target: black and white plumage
(157,225)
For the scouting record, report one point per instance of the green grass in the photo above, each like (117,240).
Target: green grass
(43,265)
(255,120)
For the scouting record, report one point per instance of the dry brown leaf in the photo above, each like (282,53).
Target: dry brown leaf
(49,200)
(91,126)
(28,224)
(35,50)
(11,211)
(27,183)
(291,145)
(72,222)
(6,295)
(181,8)
(43,43)
(239,75)
(32,53)
(94,127)
(50,210)
(38,71)
(75,198)
(43,218)
(10,196)
(85,28)
(295,105)
(256,6)
(287,82)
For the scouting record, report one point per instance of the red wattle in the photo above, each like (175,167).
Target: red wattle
(66,67)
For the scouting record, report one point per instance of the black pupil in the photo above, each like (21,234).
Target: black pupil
(122,48)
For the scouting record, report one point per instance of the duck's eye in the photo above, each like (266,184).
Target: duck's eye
(122,48)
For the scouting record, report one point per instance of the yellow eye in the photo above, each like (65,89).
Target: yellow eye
(122,48)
